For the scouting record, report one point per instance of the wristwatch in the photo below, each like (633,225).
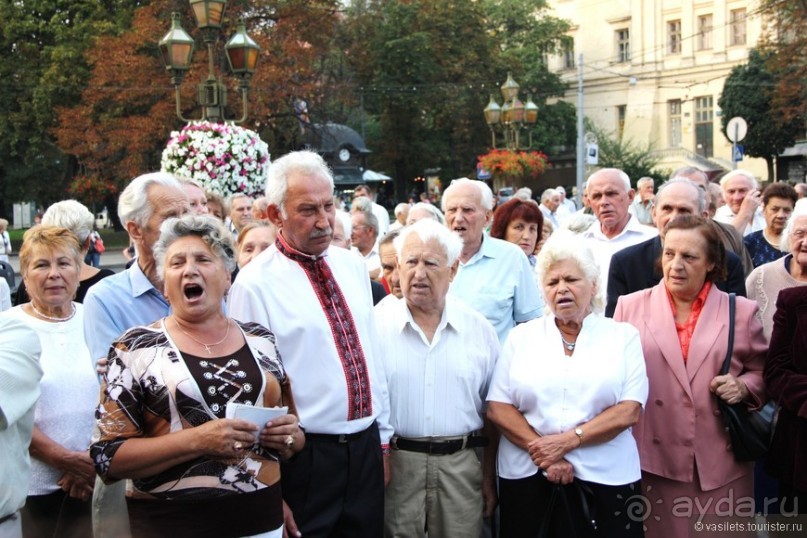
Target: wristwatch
(579,433)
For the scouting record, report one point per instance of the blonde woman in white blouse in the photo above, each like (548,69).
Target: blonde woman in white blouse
(565,392)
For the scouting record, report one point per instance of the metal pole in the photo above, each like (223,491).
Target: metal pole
(734,146)
(581,145)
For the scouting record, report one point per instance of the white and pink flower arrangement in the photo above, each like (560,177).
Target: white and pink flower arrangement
(223,157)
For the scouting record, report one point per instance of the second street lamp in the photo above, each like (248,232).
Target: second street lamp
(242,57)
(511,117)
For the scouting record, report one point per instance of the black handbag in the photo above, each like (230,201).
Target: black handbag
(750,431)
(558,512)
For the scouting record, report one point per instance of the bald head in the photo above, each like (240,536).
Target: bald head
(677,197)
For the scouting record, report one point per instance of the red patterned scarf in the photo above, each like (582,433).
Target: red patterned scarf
(345,336)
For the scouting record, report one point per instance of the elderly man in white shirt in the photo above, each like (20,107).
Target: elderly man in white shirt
(317,302)
(20,373)
(494,276)
(743,208)
(439,356)
(550,202)
(610,195)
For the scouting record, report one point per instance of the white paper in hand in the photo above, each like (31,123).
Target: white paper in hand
(257,415)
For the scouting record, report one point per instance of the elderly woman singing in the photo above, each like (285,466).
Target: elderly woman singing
(162,418)
(565,392)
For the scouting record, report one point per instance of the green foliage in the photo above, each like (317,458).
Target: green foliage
(42,45)
(748,92)
(632,158)
(426,69)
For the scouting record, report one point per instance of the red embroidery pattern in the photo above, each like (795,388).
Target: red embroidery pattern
(343,328)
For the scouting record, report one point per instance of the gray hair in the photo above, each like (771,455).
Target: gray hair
(403,207)
(687,172)
(208,228)
(433,211)
(486,195)
(800,210)
(133,204)
(548,193)
(371,221)
(576,223)
(524,193)
(680,181)
(72,215)
(307,163)
(622,176)
(390,236)
(365,205)
(190,181)
(562,246)
(739,173)
(426,230)
(645,181)
(344,218)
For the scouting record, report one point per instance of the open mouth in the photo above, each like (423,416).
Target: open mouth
(192,291)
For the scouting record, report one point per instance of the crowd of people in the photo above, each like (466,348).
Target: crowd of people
(285,366)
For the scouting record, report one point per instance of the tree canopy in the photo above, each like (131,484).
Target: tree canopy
(91,105)
(749,92)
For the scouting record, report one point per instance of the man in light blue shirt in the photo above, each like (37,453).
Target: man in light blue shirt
(494,276)
(128,299)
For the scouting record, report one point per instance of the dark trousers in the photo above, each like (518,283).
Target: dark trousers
(56,515)
(335,488)
(523,506)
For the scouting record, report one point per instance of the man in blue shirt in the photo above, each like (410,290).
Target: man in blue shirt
(128,299)
(494,276)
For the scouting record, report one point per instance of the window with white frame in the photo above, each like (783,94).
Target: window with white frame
(623,45)
(704,32)
(737,27)
(674,37)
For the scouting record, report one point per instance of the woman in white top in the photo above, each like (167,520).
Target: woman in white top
(62,474)
(565,392)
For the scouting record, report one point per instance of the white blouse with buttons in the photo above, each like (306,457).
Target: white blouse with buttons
(556,393)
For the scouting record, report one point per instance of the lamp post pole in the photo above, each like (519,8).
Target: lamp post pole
(242,57)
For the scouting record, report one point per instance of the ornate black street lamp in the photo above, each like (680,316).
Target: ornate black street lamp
(242,56)
(510,118)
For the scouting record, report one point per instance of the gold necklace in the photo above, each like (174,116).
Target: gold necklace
(206,346)
(41,315)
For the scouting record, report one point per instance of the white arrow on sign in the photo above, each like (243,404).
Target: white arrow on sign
(736,129)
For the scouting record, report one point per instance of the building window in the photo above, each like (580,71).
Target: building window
(675,122)
(704,32)
(704,125)
(737,27)
(568,58)
(621,110)
(623,45)
(674,37)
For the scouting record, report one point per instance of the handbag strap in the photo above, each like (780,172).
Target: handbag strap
(727,362)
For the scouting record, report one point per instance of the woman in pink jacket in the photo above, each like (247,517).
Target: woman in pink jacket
(688,468)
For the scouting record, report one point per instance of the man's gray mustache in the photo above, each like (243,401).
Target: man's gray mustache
(320,233)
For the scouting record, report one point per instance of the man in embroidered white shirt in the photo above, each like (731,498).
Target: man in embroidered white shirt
(438,357)
(317,302)
(743,208)
(610,196)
